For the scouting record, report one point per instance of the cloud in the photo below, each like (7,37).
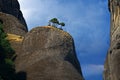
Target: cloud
(92,70)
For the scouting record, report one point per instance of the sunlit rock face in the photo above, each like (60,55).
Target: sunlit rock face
(48,53)
(112,64)
(12,7)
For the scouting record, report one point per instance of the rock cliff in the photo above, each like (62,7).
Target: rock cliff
(44,53)
(12,7)
(112,63)
(13,21)
(48,54)
(12,25)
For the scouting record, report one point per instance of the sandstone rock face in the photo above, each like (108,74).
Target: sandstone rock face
(12,7)
(48,54)
(112,64)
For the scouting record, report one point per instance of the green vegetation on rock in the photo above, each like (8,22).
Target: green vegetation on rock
(7,71)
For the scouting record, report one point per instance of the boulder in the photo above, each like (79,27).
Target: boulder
(48,53)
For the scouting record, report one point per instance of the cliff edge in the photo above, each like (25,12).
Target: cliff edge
(14,29)
(12,7)
(44,53)
(112,63)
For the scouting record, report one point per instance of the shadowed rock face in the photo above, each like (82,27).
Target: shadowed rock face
(112,64)
(12,7)
(48,54)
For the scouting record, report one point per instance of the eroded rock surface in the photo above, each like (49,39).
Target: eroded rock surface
(12,7)
(48,54)
(12,25)
(44,53)
(112,64)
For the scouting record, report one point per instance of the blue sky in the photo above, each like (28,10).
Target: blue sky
(88,21)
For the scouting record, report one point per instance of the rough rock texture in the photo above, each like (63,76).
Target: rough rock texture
(112,64)
(12,25)
(48,54)
(12,7)
(13,21)
(44,53)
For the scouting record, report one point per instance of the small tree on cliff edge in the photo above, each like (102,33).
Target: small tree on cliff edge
(62,24)
(55,22)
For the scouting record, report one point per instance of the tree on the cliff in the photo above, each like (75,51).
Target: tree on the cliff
(55,22)
(7,71)
(62,24)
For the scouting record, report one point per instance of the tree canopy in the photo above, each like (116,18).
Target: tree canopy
(55,22)
(62,24)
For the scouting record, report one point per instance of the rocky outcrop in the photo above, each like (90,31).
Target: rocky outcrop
(44,53)
(12,7)
(12,25)
(48,54)
(112,64)
(13,21)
